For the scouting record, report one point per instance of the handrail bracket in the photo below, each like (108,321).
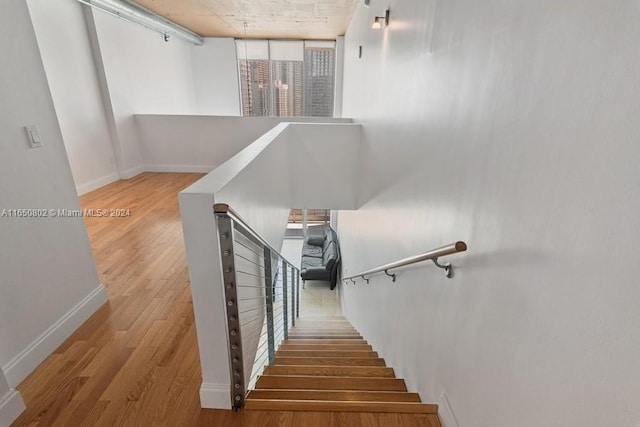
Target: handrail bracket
(392,275)
(448,268)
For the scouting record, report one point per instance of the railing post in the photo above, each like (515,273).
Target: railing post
(294,297)
(268,287)
(298,291)
(238,387)
(285,311)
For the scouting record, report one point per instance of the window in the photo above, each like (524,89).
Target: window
(286,78)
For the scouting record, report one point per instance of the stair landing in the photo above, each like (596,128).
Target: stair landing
(326,366)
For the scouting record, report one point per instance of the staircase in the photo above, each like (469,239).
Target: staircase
(325,365)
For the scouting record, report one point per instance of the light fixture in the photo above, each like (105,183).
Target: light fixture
(133,12)
(366,2)
(380,21)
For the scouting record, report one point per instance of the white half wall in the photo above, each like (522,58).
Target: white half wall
(261,183)
(512,126)
(49,281)
(215,75)
(62,37)
(172,143)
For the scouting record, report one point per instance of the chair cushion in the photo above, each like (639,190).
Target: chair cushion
(313,251)
(329,256)
(311,262)
(316,240)
(315,273)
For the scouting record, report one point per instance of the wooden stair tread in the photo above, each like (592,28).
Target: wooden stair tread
(325,341)
(320,337)
(330,371)
(325,365)
(332,361)
(340,406)
(298,331)
(329,383)
(344,395)
(326,353)
(314,347)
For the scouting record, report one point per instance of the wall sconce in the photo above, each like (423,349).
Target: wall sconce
(380,21)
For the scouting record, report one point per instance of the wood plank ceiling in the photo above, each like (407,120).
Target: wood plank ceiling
(272,19)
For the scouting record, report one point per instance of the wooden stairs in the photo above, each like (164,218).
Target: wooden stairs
(325,365)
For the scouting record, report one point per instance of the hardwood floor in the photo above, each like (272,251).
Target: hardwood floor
(135,362)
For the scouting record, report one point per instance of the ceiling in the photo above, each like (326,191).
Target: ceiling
(271,19)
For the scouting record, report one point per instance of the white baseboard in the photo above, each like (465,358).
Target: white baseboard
(11,406)
(179,168)
(130,173)
(28,359)
(215,396)
(445,412)
(97,183)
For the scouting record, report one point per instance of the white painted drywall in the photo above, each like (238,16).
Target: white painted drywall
(49,280)
(513,126)
(261,183)
(171,143)
(215,76)
(144,75)
(71,73)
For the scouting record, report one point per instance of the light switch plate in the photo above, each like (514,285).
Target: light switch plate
(34,136)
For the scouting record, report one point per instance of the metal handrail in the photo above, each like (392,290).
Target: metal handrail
(432,255)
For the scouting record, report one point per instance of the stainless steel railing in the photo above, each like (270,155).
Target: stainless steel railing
(432,255)
(262,292)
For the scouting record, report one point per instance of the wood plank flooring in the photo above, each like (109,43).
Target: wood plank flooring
(135,362)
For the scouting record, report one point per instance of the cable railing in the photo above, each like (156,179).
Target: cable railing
(432,255)
(262,292)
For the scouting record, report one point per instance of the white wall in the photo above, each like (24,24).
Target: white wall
(144,75)
(261,183)
(513,126)
(71,73)
(49,281)
(215,75)
(201,143)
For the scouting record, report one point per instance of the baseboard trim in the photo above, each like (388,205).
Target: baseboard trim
(11,406)
(215,396)
(130,173)
(97,183)
(445,412)
(178,168)
(28,359)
